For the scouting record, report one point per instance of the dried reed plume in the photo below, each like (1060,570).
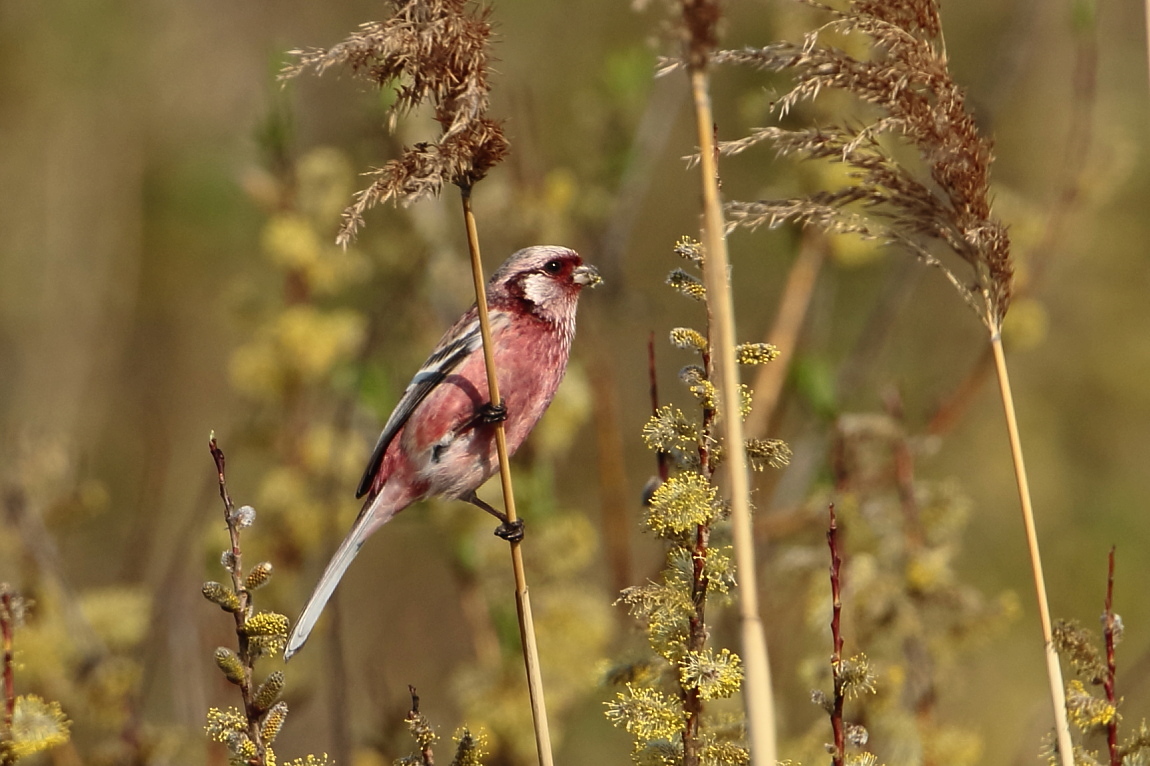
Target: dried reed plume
(947,202)
(434,52)
(939,203)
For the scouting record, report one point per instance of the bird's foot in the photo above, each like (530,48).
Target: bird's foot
(511,531)
(490,414)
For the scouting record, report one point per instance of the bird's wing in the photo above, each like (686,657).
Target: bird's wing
(462,340)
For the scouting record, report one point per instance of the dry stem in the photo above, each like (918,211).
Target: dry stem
(757,687)
(1109,630)
(837,639)
(426,753)
(243,612)
(7,620)
(522,600)
(1053,669)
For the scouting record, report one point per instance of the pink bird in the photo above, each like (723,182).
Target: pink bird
(440,439)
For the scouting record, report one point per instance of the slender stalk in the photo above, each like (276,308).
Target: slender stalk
(244,612)
(522,601)
(1053,669)
(838,756)
(7,620)
(1109,623)
(757,688)
(700,585)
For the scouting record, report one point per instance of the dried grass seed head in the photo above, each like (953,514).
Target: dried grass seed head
(907,79)
(434,52)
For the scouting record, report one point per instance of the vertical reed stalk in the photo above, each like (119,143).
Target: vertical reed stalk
(757,687)
(1147,13)
(522,601)
(1053,668)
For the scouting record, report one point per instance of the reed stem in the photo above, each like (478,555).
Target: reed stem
(1053,668)
(757,684)
(522,600)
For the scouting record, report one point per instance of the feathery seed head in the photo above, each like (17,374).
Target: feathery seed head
(945,201)
(434,52)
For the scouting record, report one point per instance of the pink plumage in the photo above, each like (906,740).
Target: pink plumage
(440,439)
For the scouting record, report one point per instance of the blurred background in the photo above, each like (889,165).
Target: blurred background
(167,213)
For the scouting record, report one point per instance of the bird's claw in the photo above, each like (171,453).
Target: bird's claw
(511,531)
(490,414)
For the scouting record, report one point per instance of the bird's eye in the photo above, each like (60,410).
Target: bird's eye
(553,267)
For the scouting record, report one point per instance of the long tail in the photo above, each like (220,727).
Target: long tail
(374,515)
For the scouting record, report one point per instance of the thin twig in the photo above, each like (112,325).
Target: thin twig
(1053,669)
(1109,629)
(700,586)
(242,613)
(837,638)
(426,752)
(7,620)
(1147,14)
(522,600)
(757,689)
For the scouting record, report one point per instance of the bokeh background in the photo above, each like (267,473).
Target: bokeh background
(166,214)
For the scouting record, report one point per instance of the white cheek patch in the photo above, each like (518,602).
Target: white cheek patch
(540,289)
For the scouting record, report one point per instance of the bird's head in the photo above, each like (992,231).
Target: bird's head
(546,278)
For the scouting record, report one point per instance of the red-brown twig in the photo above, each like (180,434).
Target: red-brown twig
(241,614)
(426,753)
(1109,627)
(700,586)
(836,711)
(7,620)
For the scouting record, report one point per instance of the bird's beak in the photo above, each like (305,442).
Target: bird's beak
(586,276)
